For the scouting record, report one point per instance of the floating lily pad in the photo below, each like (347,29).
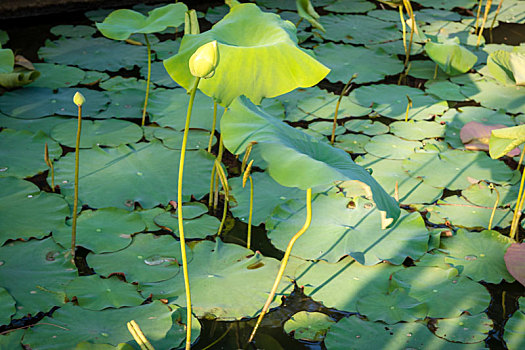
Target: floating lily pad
(476,136)
(159,75)
(119,83)
(395,47)
(7,307)
(55,76)
(452,31)
(446,294)
(464,329)
(34,125)
(493,95)
(119,177)
(101,231)
(126,103)
(324,128)
(347,60)
(392,307)
(461,169)
(215,14)
(7,60)
(389,171)
(197,139)
(356,232)
(309,326)
(417,130)
(228,282)
(22,153)
(46,102)
(480,194)
(36,284)
(96,293)
(93,77)
(148,215)
(391,101)
(426,70)
(447,4)
(98,54)
(445,90)
(75,325)
(109,132)
(514,335)
(342,6)
(342,284)
(200,227)
(515,262)
(73,31)
(391,147)
(460,212)
(352,143)
(358,29)
(4,37)
(366,126)
(149,258)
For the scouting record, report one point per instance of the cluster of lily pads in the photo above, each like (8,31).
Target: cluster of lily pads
(401,257)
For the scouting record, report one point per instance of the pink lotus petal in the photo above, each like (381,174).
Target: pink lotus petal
(475,136)
(515,261)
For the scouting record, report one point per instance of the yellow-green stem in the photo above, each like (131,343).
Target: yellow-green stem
(249,238)
(148,80)
(436,71)
(494,19)
(216,179)
(520,195)
(488,4)
(412,30)
(476,26)
(495,207)
(332,139)
(75,200)
(210,142)
(284,262)
(403,25)
(139,337)
(180,217)
(223,219)
(212,186)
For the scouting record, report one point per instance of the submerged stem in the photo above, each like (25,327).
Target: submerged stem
(75,200)
(515,217)
(492,187)
(213,126)
(180,218)
(332,139)
(148,81)
(488,4)
(249,238)
(284,262)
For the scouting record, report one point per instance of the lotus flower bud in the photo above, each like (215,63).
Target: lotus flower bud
(204,61)
(79,99)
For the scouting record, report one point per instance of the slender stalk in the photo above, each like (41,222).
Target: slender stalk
(492,187)
(139,337)
(436,71)
(216,190)
(75,200)
(332,139)
(148,81)
(49,163)
(403,25)
(249,238)
(210,142)
(212,186)
(520,195)
(477,16)
(220,338)
(409,105)
(412,29)
(224,182)
(284,262)
(488,4)
(180,217)
(494,19)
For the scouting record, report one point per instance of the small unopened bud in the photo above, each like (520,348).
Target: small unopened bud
(204,61)
(79,99)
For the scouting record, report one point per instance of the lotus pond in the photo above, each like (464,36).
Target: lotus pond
(400,122)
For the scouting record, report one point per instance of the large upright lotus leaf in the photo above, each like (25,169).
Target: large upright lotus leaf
(490,94)
(120,24)
(391,147)
(265,62)
(337,231)
(294,158)
(227,281)
(74,325)
(139,172)
(515,328)
(149,258)
(504,140)
(388,172)
(101,231)
(42,212)
(98,54)
(7,307)
(458,169)
(55,76)
(498,65)
(452,58)
(109,132)
(446,293)
(342,284)
(7,60)
(391,101)
(35,274)
(97,293)
(347,60)
(478,255)
(22,153)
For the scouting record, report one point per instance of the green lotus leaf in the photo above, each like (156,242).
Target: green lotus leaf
(395,47)
(101,231)
(149,258)
(309,326)
(22,153)
(490,94)
(197,139)
(388,172)
(96,293)
(76,325)
(499,67)
(478,255)
(460,212)
(200,227)
(55,76)
(94,77)
(126,103)
(119,83)
(391,101)
(43,212)
(392,307)
(446,294)
(18,78)
(447,4)
(33,125)
(504,140)
(356,232)
(306,11)
(148,215)
(426,70)
(445,90)
(7,60)
(228,282)
(288,4)
(7,307)
(355,333)
(46,102)
(366,126)
(73,31)
(342,284)
(417,130)
(444,31)
(159,75)
(139,172)
(192,210)
(324,128)
(98,54)
(294,158)
(358,6)
(462,169)
(464,329)
(514,335)
(452,58)
(12,340)
(391,147)
(352,143)
(120,24)
(347,60)
(36,284)
(85,345)
(277,63)
(214,14)
(4,37)
(481,194)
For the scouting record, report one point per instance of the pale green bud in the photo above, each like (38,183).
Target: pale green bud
(79,99)
(204,61)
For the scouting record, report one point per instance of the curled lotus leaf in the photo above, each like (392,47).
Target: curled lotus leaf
(268,55)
